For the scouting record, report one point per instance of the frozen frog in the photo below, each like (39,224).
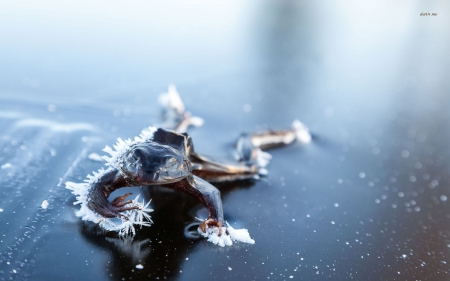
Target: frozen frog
(167,158)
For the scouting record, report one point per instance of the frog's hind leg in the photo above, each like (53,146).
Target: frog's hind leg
(251,159)
(249,147)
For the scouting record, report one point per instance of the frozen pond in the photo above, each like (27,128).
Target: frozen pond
(369,198)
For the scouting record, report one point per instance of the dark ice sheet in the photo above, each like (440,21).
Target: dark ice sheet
(367,199)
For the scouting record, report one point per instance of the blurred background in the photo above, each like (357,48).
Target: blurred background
(366,199)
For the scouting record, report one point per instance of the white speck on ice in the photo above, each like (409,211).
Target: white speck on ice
(95,157)
(229,268)
(139,266)
(307,215)
(7,165)
(1,210)
(44,204)
(336,205)
(377,201)
(340,180)
(443,198)
(332,222)
(290,277)
(404,256)
(362,175)
(401,194)
(52,152)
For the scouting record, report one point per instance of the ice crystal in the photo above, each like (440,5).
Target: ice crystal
(237,235)
(301,132)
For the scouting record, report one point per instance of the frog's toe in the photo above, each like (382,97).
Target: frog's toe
(119,200)
(210,223)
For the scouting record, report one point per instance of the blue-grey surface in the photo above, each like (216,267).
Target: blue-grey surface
(367,199)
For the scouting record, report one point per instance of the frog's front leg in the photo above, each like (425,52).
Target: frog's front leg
(214,228)
(208,194)
(95,206)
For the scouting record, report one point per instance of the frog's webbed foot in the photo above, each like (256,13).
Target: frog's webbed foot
(209,223)
(119,206)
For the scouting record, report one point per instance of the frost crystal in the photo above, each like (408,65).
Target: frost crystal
(237,235)
(176,117)
(301,132)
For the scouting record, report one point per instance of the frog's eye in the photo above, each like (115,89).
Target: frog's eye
(170,161)
(134,156)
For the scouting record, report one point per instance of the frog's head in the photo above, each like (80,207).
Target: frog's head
(152,163)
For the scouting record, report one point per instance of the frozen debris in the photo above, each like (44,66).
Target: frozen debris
(126,222)
(44,204)
(301,132)
(95,157)
(139,266)
(237,235)
(176,117)
(1,210)
(6,166)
